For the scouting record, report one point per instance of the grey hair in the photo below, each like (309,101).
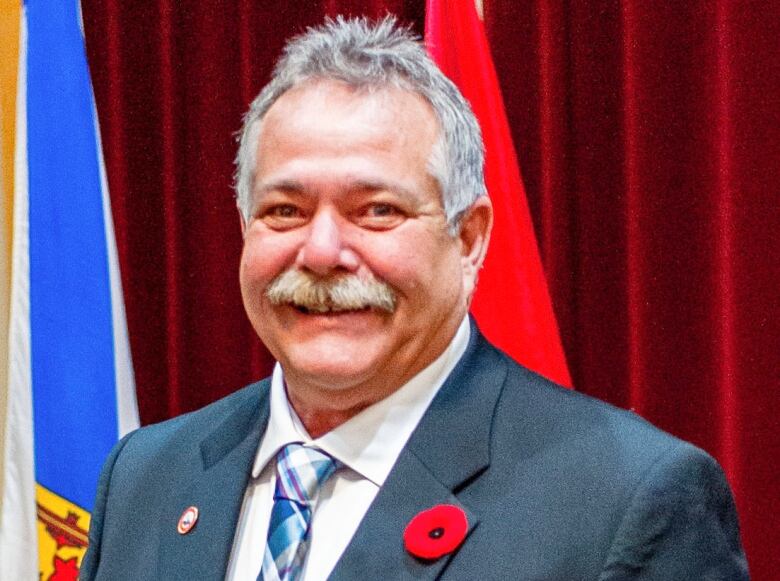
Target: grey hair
(372,55)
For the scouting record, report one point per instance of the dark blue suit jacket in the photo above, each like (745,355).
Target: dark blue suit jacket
(556,486)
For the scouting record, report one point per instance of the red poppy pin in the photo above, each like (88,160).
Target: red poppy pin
(436,531)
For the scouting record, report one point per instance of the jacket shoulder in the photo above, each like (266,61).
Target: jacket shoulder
(607,489)
(196,424)
(548,410)
(150,469)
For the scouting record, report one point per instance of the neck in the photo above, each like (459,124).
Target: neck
(319,423)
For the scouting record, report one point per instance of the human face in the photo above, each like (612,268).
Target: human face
(342,188)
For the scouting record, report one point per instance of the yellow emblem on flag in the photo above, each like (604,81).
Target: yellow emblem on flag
(62,535)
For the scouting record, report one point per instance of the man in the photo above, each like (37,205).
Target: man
(392,441)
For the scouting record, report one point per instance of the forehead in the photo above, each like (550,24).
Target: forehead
(328,114)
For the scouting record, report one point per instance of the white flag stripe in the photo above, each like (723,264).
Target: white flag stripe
(18,537)
(127,406)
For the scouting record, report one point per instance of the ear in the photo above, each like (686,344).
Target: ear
(475,227)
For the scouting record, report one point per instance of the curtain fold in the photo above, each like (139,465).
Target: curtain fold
(649,140)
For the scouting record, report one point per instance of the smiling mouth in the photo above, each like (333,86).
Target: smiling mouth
(329,310)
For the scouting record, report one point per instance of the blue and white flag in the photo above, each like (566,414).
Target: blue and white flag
(71,393)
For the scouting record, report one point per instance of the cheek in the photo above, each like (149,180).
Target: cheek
(417,265)
(263,258)
(257,269)
(390,259)
(251,286)
(251,270)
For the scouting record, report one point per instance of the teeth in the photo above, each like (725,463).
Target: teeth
(324,309)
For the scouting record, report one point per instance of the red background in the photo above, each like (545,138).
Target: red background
(648,135)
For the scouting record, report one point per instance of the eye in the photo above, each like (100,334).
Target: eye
(381,210)
(282,216)
(283,211)
(380,216)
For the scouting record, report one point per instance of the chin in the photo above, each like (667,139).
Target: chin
(332,368)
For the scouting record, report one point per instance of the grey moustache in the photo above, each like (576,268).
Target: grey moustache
(346,292)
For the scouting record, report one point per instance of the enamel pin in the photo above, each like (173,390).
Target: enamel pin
(187,520)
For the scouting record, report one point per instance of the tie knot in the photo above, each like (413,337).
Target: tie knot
(300,471)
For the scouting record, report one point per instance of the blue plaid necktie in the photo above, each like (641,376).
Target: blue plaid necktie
(300,471)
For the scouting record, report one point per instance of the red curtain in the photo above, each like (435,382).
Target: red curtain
(648,135)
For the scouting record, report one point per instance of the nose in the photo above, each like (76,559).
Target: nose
(324,249)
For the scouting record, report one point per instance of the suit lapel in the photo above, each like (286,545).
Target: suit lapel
(447,451)
(216,488)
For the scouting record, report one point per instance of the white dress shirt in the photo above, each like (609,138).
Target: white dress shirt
(367,445)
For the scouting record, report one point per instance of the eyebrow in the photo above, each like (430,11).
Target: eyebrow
(299,188)
(286,186)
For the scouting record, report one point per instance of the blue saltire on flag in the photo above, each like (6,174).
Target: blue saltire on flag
(74,394)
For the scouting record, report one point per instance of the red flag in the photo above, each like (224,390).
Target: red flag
(512,304)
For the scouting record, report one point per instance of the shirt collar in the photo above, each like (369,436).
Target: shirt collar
(369,443)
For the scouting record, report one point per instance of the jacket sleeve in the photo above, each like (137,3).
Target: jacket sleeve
(91,560)
(680,524)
